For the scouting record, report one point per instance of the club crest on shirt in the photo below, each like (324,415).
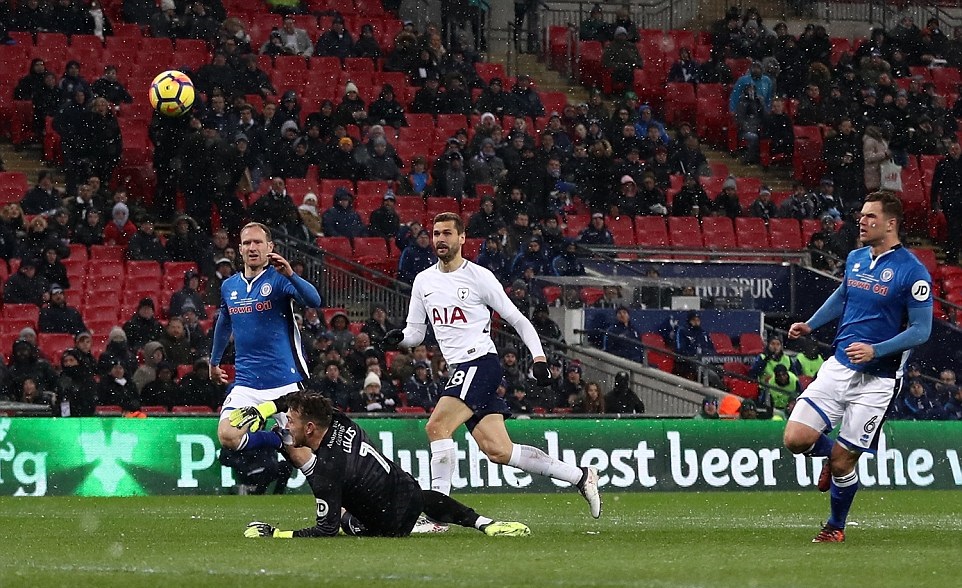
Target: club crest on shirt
(463,293)
(265,289)
(887,275)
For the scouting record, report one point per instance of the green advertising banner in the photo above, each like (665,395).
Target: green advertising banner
(126,457)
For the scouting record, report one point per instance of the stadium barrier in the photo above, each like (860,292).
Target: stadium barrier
(128,457)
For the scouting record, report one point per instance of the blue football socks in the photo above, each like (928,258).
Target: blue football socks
(258,440)
(842,494)
(822,447)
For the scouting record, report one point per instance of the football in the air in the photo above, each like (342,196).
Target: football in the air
(172,93)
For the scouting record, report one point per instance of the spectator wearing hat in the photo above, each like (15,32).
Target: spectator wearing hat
(90,229)
(622,399)
(186,243)
(367,44)
(428,99)
(451,180)
(825,202)
(566,263)
(545,327)
(196,334)
(456,99)
(143,326)
(77,389)
(385,221)
(692,341)
(25,286)
(147,372)
(621,58)
(594,27)
(726,203)
(421,389)
(416,257)
(341,220)
(709,408)
(596,233)
(763,207)
(52,269)
(371,399)
(927,140)
(57,317)
(748,411)
(336,41)
(352,110)
(223,269)
(573,387)
(340,164)
(377,325)
(622,338)
(26,363)
(527,102)
(119,230)
(492,257)
(386,110)
(486,167)
(145,245)
(799,205)
(309,215)
(782,391)
(190,292)
(774,354)
(493,99)
(117,351)
(116,387)
(83,344)
(750,112)
(532,260)
(381,165)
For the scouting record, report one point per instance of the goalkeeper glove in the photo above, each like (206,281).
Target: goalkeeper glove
(254,416)
(257,529)
(541,373)
(392,339)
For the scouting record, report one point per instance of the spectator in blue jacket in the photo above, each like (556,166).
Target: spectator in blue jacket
(567,263)
(596,233)
(764,88)
(532,258)
(622,338)
(420,389)
(416,257)
(917,405)
(492,257)
(952,411)
(341,220)
(646,119)
(691,339)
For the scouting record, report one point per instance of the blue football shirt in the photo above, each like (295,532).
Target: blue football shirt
(878,295)
(260,314)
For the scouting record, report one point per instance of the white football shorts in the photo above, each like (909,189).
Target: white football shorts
(840,394)
(241,396)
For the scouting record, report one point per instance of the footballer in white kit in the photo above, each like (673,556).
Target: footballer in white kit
(456,297)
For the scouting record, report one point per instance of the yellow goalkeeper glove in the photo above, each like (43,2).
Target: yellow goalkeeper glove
(257,529)
(254,416)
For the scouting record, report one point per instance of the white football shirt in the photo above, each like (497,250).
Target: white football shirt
(458,305)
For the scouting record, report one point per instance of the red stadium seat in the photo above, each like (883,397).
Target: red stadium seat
(684,232)
(723,344)
(751,233)
(28,313)
(109,410)
(718,232)
(785,233)
(622,229)
(751,343)
(650,231)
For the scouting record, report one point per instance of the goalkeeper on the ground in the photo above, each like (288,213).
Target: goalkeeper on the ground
(357,490)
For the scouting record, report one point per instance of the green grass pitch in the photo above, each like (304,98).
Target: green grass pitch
(896,538)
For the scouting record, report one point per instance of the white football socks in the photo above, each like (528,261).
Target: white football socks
(533,460)
(444,454)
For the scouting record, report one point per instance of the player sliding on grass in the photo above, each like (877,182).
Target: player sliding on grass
(884,289)
(256,306)
(457,297)
(357,489)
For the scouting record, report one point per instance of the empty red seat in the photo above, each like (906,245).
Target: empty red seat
(723,344)
(684,232)
(718,233)
(650,231)
(622,229)
(339,246)
(751,343)
(785,233)
(751,233)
